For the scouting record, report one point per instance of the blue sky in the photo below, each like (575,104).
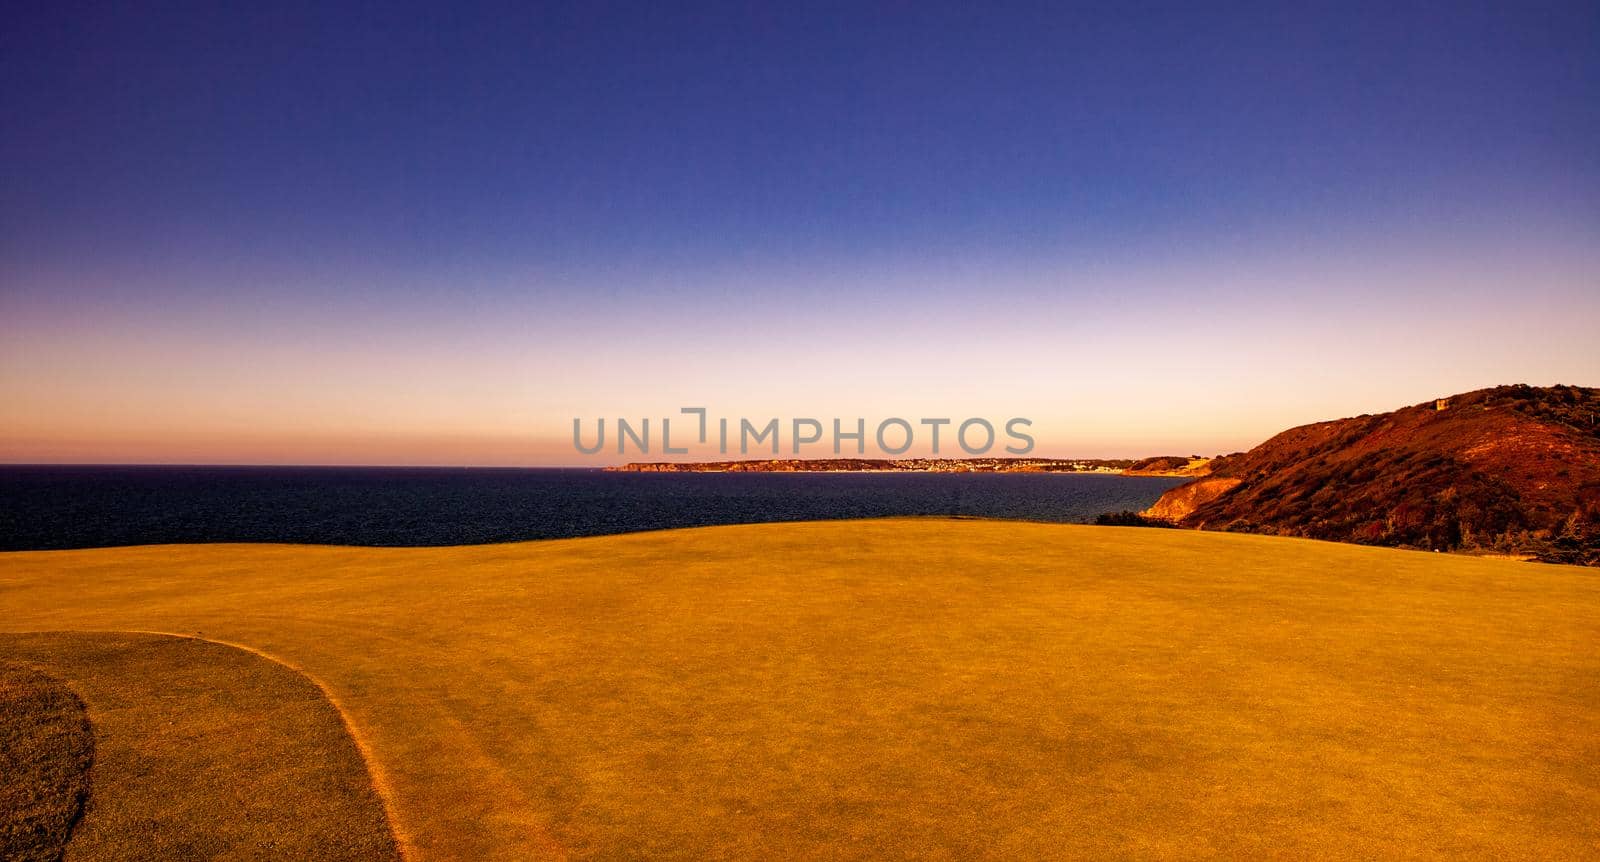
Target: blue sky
(475,180)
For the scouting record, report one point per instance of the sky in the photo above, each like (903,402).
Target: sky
(321,233)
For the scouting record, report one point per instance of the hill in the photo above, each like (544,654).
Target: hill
(1170,465)
(1512,469)
(884,689)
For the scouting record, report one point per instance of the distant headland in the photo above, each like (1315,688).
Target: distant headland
(1167,465)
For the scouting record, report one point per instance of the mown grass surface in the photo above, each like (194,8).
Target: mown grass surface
(46,747)
(921,689)
(203,751)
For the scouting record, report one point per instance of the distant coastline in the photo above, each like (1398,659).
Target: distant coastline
(1159,466)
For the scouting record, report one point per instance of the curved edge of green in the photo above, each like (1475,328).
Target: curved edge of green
(203,749)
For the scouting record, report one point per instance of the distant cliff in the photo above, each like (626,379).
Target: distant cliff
(909,465)
(1513,469)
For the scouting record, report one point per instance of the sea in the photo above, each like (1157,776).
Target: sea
(52,507)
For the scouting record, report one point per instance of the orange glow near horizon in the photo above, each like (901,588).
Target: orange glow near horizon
(1118,366)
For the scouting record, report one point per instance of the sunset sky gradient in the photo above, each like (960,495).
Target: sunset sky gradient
(435,235)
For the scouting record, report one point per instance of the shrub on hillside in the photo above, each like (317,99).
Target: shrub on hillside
(1127,518)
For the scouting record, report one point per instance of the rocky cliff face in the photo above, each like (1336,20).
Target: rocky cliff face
(1180,502)
(1514,469)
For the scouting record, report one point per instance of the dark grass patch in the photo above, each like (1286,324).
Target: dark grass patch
(46,746)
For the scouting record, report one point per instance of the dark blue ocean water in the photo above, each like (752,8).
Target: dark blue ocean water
(81,507)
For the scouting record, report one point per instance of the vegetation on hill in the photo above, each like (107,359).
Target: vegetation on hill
(1512,469)
(1129,518)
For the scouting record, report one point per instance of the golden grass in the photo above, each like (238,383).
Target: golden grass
(45,750)
(915,688)
(203,751)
